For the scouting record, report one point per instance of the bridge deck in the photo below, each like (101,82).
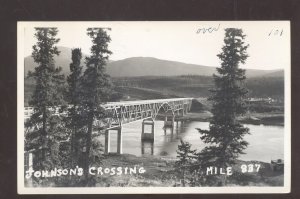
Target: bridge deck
(140,102)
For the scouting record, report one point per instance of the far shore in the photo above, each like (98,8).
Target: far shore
(274,119)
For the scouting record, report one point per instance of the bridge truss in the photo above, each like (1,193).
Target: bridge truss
(120,113)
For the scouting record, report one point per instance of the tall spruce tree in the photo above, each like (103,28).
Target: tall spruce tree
(225,134)
(74,95)
(96,85)
(45,131)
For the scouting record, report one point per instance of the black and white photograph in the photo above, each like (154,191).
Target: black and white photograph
(154,107)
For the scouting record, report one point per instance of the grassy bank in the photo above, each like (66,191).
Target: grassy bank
(160,172)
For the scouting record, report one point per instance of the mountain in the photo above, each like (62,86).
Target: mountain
(148,66)
(145,66)
(63,60)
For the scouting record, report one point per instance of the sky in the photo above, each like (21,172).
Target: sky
(177,41)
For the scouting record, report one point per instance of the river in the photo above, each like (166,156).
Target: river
(265,142)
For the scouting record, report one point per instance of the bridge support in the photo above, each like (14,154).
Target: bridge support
(147,145)
(119,140)
(169,124)
(148,136)
(184,110)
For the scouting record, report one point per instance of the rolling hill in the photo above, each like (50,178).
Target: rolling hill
(146,66)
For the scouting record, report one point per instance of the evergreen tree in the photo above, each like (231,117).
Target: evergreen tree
(185,159)
(96,87)
(74,95)
(44,128)
(225,134)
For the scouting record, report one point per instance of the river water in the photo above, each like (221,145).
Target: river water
(265,142)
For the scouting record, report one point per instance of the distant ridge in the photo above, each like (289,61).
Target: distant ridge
(146,66)
(278,73)
(149,66)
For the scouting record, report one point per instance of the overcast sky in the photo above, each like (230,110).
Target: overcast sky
(177,41)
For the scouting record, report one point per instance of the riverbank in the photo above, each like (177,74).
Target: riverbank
(160,172)
(276,119)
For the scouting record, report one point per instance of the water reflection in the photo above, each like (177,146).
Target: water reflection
(266,142)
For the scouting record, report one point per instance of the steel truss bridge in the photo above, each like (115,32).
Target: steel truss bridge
(118,114)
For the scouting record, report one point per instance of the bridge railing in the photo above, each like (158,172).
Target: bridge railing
(139,102)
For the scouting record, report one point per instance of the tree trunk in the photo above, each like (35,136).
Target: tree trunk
(44,135)
(72,148)
(74,139)
(88,146)
(183,178)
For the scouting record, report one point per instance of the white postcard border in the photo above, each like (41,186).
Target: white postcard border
(141,190)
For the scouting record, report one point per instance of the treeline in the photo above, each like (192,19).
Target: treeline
(188,86)
(65,140)
(156,82)
(198,86)
(266,87)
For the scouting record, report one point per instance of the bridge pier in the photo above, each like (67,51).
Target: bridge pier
(169,124)
(184,110)
(145,145)
(148,136)
(119,140)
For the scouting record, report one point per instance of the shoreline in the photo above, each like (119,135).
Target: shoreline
(273,119)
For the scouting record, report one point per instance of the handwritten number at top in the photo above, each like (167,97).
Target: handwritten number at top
(276,32)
